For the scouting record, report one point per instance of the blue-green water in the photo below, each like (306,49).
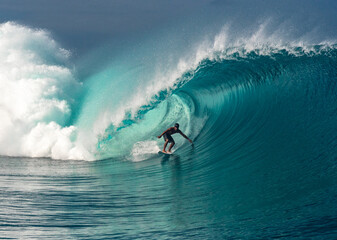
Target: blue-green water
(262,166)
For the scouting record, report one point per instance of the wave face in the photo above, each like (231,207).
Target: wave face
(264,102)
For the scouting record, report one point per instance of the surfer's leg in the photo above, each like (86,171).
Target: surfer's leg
(171,146)
(165,144)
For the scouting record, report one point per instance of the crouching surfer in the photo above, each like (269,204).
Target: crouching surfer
(168,138)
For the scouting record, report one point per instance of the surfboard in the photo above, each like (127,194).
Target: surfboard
(165,153)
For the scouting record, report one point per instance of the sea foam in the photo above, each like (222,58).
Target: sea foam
(37,93)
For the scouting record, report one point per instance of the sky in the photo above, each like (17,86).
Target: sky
(82,25)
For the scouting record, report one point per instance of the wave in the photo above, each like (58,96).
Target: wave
(238,102)
(231,96)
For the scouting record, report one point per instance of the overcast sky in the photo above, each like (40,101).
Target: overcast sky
(85,24)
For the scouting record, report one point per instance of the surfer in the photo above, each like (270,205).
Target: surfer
(168,138)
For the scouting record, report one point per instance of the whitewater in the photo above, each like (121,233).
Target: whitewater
(79,152)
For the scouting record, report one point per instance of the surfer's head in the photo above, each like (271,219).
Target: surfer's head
(176,125)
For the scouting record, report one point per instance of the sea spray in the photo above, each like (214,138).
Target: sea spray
(38,91)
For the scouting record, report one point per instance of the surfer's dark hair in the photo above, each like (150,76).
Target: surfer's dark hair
(176,125)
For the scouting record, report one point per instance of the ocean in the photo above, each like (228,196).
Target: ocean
(79,152)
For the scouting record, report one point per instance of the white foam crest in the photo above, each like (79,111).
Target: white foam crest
(35,102)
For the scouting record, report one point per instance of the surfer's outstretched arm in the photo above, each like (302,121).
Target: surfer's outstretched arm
(182,134)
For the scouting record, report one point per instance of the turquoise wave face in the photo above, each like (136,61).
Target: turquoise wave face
(270,105)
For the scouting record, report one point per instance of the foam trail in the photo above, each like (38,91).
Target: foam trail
(143,150)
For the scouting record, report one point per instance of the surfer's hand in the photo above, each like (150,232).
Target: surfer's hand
(159,137)
(190,141)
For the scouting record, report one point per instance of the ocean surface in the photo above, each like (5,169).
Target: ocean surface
(79,152)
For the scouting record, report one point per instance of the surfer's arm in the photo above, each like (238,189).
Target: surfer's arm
(182,134)
(163,133)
